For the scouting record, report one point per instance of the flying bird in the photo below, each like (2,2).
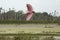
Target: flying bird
(30,12)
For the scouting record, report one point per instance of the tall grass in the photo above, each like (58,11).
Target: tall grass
(26,22)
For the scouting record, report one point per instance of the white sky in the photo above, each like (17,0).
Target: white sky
(38,5)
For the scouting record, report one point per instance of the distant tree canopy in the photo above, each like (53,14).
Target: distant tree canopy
(20,15)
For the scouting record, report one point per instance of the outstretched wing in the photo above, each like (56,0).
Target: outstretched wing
(29,7)
(30,12)
(28,16)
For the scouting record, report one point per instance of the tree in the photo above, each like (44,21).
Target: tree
(0,10)
(11,15)
(45,13)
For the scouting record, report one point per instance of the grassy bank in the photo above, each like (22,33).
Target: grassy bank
(27,22)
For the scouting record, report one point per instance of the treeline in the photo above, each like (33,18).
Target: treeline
(12,16)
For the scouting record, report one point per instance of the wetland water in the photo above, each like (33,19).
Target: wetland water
(29,25)
(28,28)
(34,28)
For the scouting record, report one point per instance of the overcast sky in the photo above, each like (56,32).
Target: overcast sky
(38,5)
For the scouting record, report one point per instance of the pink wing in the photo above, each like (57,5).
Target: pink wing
(29,7)
(30,12)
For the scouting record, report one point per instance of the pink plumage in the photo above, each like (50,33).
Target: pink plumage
(30,12)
